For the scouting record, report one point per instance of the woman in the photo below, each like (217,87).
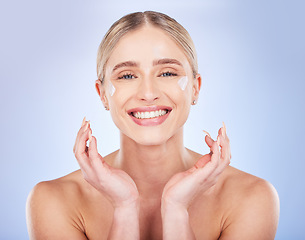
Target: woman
(152,187)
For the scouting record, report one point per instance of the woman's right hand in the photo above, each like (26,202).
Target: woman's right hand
(114,183)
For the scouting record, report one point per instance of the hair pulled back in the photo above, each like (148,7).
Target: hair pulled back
(137,20)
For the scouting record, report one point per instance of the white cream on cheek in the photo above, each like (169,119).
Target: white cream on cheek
(183,82)
(111,89)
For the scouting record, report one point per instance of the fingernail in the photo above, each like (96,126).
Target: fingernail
(90,137)
(224,132)
(207,133)
(87,125)
(84,120)
(218,141)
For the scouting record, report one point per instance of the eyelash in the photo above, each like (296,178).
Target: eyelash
(125,75)
(168,74)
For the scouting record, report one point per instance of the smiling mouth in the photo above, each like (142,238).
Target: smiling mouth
(150,114)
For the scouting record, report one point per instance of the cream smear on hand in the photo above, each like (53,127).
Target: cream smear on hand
(183,82)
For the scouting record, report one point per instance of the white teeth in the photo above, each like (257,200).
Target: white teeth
(152,114)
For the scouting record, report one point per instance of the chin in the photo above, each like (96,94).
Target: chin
(151,139)
(151,135)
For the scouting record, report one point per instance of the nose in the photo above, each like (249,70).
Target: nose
(148,90)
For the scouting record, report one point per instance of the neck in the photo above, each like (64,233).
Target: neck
(152,166)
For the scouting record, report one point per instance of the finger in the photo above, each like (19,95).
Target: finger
(223,163)
(204,160)
(215,157)
(80,144)
(80,132)
(222,130)
(83,123)
(212,168)
(224,144)
(201,163)
(225,152)
(92,150)
(82,155)
(95,158)
(209,168)
(208,139)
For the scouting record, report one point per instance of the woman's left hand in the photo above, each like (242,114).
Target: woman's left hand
(183,187)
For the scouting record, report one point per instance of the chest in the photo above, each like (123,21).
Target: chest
(205,220)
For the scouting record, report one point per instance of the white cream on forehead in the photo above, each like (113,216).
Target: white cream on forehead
(183,82)
(111,89)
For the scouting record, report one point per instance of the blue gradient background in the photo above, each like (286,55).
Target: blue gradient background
(251,57)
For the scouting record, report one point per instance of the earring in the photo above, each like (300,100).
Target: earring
(194,102)
(106,108)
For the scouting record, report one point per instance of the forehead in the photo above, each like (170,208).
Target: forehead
(145,45)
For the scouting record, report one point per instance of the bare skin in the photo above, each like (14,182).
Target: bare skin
(238,204)
(152,187)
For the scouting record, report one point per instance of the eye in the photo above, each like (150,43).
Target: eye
(168,74)
(127,76)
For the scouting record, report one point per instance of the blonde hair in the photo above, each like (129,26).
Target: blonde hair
(136,20)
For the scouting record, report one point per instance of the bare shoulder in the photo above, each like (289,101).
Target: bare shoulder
(70,180)
(252,206)
(52,207)
(245,183)
(57,190)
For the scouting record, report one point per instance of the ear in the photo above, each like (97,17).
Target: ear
(100,88)
(196,86)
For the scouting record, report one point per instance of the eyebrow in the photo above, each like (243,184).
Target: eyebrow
(155,63)
(125,64)
(167,61)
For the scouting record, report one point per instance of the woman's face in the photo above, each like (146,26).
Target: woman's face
(149,86)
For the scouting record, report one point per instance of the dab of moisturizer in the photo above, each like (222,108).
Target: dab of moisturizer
(183,82)
(111,89)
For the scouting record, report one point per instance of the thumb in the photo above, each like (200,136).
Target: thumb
(96,159)
(92,150)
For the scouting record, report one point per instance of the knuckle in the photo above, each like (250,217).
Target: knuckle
(212,181)
(86,176)
(228,160)
(209,181)
(203,182)
(77,154)
(224,164)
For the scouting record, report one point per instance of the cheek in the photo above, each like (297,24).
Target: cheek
(182,82)
(111,89)
(118,95)
(178,89)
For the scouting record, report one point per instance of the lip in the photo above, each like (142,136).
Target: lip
(149,109)
(149,121)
